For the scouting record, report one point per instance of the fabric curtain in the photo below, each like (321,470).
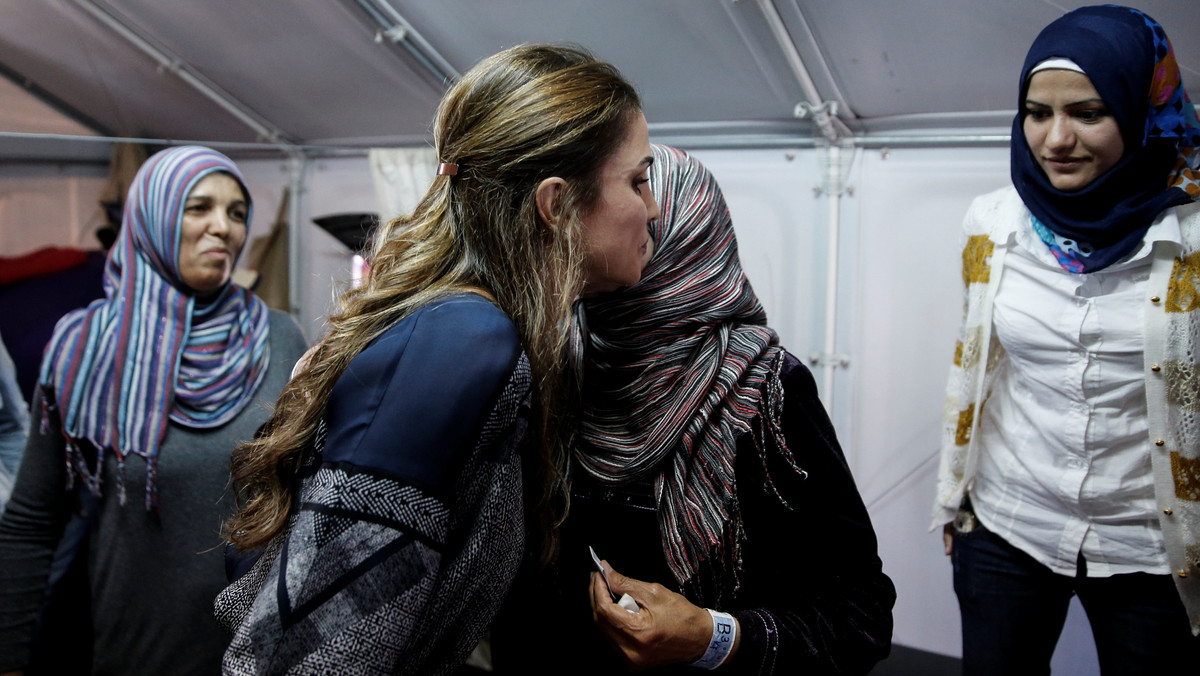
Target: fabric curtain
(127,158)
(401,176)
(265,263)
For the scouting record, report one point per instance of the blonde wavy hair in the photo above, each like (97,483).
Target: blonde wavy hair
(516,118)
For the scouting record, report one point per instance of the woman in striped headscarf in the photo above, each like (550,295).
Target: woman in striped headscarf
(167,373)
(708,473)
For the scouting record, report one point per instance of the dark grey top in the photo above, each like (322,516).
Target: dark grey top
(152,576)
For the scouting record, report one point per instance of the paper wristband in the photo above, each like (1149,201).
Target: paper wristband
(723,634)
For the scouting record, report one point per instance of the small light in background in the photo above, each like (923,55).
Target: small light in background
(358,271)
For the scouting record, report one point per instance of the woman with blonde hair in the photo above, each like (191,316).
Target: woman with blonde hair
(386,490)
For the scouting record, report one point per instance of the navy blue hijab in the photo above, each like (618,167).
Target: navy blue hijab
(1131,64)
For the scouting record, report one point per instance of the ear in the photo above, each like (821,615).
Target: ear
(549,192)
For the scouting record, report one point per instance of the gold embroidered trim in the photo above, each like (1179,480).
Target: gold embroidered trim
(966,353)
(962,434)
(976,259)
(1186,472)
(1183,289)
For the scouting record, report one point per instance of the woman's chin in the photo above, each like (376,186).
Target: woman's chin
(207,285)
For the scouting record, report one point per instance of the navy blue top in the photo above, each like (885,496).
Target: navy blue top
(410,527)
(411,404)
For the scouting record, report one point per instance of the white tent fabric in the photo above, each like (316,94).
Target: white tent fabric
(297,91)
(364,73)
(43,205)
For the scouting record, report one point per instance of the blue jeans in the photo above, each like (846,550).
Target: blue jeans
(1013,609)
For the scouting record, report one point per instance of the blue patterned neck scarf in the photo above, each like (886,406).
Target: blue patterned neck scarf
(1130,61)
(119,369)
(1069,254)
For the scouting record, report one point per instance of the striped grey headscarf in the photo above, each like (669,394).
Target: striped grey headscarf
(675,369)
(150,352)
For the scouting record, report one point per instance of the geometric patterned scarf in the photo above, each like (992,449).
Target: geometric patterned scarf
(675,369)
(148,352)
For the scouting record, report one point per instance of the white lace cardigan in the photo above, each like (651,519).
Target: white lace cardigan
(1172,350)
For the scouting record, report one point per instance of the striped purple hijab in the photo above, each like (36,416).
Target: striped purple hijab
(676,368)
(149,352)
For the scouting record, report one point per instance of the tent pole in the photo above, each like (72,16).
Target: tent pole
(833,160)
(297,164)
(834,135)
(167,62)
(833,167)
(825,115)
(397,30)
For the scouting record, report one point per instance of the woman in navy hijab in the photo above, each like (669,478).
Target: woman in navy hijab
(1081,332)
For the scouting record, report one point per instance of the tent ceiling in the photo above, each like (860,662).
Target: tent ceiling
(314,73)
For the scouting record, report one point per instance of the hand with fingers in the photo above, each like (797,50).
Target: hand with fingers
(667,629)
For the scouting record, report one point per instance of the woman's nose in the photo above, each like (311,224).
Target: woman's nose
(219,224)
(1060,135)
(652,211)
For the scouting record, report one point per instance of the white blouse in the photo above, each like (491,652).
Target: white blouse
(1065,464)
